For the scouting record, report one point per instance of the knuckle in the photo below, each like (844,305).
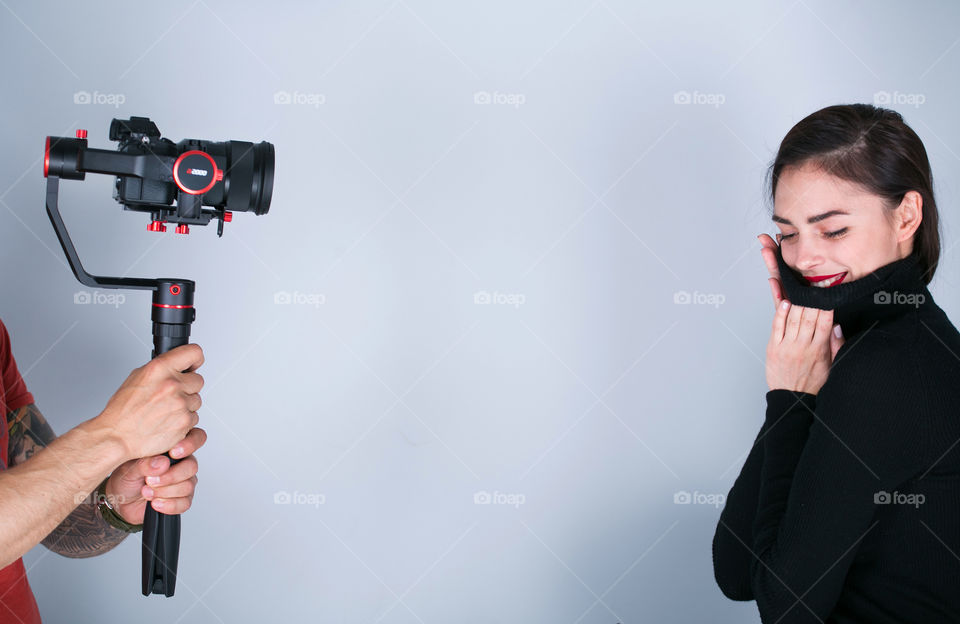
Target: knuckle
(169,385)
(152,369)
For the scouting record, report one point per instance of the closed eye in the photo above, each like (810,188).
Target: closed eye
(835,234)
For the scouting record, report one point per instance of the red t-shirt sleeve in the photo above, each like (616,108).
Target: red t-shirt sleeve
(15,394)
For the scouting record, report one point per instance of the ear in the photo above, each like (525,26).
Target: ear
(909,215)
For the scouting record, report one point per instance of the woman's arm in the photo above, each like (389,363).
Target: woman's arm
(733,538)
(823,465)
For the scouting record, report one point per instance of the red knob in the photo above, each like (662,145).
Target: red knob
(183,229)
(157,226)
(81,134)
(228,216)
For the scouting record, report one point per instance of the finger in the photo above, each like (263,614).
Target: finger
(194,439)
(181,471)
(185,358)
(171,506)
(127,470)
(770,261)
(192,383)
(824,327)
(766,241)
(836,341)
(194,402)
(808,324)
(776,289)
(768,252)
(145,466)
(175,490)
(780,321)
(792,330)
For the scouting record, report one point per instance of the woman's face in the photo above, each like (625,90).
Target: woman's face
(853,233)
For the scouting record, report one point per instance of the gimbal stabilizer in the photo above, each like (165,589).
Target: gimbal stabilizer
(152,172)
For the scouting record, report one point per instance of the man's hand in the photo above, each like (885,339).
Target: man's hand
(157,405)
(170,488)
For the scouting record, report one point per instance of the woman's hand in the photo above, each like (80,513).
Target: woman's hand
(802,344)
(802,348)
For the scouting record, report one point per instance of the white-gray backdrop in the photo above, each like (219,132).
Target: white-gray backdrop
(506,308)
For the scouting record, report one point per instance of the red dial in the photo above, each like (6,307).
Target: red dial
(195,172)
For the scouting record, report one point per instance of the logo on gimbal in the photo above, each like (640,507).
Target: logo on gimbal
(204,176)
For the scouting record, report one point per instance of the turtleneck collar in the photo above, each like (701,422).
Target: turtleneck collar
(889,291)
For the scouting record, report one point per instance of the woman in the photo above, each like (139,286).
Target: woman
(847,508)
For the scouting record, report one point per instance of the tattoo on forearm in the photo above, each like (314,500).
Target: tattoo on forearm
(29,433)
(83,533)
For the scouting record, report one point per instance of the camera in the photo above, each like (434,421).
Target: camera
(186,183)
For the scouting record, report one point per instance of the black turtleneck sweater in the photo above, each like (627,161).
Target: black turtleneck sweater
(847,508)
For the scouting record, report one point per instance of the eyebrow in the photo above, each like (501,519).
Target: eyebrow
(816,219)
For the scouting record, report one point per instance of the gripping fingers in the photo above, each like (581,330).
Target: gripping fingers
(175,490)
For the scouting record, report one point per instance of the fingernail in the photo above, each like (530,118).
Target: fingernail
(837,331)
(158,503)
(153,480)
(156,462)
(148,492)
(784,304)
(177,451)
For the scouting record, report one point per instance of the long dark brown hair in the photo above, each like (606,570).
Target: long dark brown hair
(874,148)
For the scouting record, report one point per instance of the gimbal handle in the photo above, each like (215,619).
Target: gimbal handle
(172,314)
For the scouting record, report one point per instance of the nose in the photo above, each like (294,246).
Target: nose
(808,256)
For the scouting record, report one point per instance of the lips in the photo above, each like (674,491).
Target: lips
(826,281)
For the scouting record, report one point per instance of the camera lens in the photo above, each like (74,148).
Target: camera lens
(249,176)
(263,165)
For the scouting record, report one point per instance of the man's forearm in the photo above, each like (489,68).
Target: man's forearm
(38,495)
(84,533)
